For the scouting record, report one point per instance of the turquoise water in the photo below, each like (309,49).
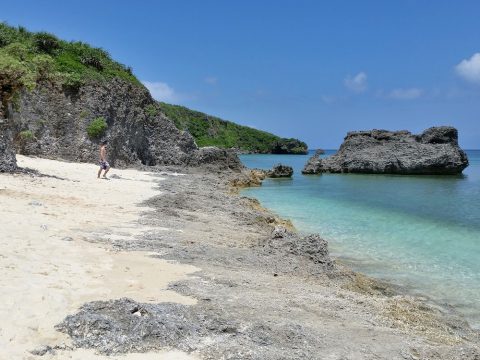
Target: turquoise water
(420,232)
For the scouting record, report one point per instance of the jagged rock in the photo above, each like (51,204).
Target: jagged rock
(319,152)
(8,161)
(214,157)
(313,165)
(138,132)
(433,152)
(311,247)
(280,171)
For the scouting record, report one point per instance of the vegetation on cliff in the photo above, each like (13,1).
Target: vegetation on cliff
(212,131)
(28,57)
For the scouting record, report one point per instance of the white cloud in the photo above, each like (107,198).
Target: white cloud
(211,80)
(161,91)
(469,69)
(405,94)
(357,83)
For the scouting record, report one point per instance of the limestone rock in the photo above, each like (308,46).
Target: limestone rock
(280,171)
(434,152)
(138,132)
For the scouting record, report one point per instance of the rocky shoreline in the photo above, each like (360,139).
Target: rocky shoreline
(263,292)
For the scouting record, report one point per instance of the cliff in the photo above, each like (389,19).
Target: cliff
(62,98)
(434,152)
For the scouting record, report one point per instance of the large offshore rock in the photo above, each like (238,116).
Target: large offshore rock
(8,161)
(433,152)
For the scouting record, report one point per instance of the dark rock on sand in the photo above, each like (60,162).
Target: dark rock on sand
(434,152)
(8,161)
(123,325)
(311,247)
(118,326)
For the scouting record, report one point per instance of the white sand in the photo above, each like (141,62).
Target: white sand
(45,277)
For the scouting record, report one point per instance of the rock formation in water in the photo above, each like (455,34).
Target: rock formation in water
(280,171)
(434,152)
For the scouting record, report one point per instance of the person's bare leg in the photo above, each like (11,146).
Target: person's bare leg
(99,172)
(105,173)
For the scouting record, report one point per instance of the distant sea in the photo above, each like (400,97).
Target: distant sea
(419,232)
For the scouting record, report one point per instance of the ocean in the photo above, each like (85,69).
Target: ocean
(419,232)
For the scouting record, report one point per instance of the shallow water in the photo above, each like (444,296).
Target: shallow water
(420,232)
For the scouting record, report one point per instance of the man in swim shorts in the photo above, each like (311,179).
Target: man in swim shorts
(103,160)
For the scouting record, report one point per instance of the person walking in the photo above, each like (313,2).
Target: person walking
(103,160)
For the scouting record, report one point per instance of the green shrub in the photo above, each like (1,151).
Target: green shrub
(97,127)
(151,110)
(72,80)
(26,135)
(89,56)
(45,42)
(44,67)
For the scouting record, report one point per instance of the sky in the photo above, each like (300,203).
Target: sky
(313,70)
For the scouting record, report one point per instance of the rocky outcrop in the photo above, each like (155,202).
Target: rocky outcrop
(311,247)
(280,171)
(8,162)
(433,152)
(220,159)
(56,120)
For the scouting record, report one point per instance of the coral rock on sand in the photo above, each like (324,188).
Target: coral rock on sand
(434,152)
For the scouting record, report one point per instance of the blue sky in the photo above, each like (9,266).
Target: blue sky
(307,69)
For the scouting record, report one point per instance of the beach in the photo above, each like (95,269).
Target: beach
(221,274)
(49,265)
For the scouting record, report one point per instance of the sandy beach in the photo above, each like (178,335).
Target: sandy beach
(152,265)
(49,266)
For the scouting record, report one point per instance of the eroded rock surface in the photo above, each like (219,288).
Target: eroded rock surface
(56,120)
(280,171)
(8,162)
(434,152)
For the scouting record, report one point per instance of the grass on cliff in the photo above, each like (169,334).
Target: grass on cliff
(28,57)
(213,131)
